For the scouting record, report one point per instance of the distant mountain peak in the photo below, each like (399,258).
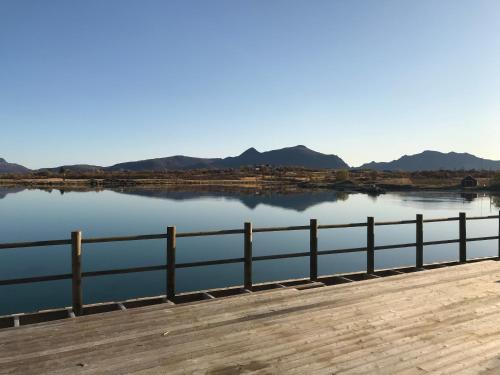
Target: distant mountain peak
(297,148)
(251,151)
(6,167)
(295,156)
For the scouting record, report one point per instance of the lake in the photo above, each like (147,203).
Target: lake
(27,215)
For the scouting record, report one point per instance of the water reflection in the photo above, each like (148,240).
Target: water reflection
(445,200)
(31,214)
(4,191)
(496,200)
(297,201)
(469,197)
(300,201)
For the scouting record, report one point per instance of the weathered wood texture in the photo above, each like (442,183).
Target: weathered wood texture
(313,249)
(247,249)
(76,271)
(171,247)
(370,245)
(19,245)
(445,321)
(420,241)
(463,237)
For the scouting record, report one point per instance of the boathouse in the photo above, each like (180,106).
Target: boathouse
(469,181)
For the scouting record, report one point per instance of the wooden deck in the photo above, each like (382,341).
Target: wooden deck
(445,321)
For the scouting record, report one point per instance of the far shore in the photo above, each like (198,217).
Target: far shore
(379,185)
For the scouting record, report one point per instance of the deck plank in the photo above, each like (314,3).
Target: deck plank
(437,321)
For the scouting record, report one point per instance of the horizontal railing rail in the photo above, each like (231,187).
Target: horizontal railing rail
(160,236)
(248,258)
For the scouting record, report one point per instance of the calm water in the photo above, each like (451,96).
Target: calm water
(39,215)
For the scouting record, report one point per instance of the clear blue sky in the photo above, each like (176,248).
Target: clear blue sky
(109,81)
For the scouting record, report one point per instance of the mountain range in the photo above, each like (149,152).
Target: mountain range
(433,161)
(297,156)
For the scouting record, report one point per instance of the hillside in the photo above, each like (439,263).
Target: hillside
(162,164)
(434,160)
(298,156)
(6,167)
(74,168)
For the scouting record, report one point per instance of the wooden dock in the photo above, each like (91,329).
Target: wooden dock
(77,241)
(444,320)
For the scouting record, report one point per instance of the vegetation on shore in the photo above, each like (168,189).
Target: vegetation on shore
(261,177)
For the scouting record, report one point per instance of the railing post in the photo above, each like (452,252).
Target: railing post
(420,241)
(247,275)
(313,246)
(463,237)
(76,270)
(370,245)
(171,245)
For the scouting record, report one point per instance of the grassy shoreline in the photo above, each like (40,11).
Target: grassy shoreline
(263,178)
(380,185)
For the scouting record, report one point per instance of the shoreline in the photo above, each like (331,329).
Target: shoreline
(379,187)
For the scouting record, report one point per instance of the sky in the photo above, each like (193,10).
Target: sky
(102,82)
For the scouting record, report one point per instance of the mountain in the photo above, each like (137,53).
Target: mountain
(6,167)
(298,156)
(162,164)
(74,168)
(435,160)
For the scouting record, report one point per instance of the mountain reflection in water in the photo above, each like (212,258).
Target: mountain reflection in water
(297,200)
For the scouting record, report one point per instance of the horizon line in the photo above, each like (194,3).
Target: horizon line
(250,148)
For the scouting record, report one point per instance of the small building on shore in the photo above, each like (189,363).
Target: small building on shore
(468,182)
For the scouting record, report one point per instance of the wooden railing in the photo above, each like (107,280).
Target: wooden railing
(248,258)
